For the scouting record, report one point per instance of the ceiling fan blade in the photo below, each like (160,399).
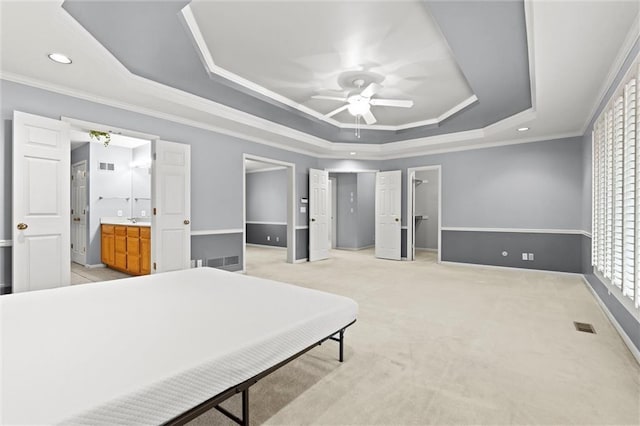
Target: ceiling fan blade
(369,118)
(329,98)
(370,90)
(401,103)
(337,110)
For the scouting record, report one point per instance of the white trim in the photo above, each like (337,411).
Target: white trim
(302,227)
(6,243)
(88,125)
(410,218)
(625,337)
(403,227)
(353,248)
(528,17)
(306,259)
(291,205)
(517,230)
(217,231)
(513,268)
(432,250)
(317,147)
(351,170)
(255,222)
(95,266)
(265,246)
(616,67)
(268,169)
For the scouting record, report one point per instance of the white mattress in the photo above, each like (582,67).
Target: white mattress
(143,350)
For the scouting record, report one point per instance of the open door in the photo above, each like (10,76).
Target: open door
(318,215)
(79,212)
(41,203)
(171,195)
(388,227)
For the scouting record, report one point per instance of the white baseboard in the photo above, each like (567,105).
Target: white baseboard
(625,338)
(301,260)
(265,246)
(426,249)
(353,248)
(97,265)
(512,268)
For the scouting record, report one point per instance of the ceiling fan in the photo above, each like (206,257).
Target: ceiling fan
(359,105)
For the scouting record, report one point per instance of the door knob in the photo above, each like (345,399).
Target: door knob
(397,220)
(313,219)
(22,226)
(186,221)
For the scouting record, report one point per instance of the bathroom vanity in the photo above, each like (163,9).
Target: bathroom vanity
(126,246)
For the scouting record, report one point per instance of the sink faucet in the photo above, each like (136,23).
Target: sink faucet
(132,219)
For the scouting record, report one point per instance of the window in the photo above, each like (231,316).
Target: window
(616,181)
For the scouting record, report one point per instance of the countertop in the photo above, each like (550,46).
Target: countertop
(124,221)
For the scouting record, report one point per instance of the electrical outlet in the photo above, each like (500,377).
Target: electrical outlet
(530,256)
(277,239)
(193,263)
(119,213)
(143,213)
(525,256)
(505,253)
(199,263)
(268,237)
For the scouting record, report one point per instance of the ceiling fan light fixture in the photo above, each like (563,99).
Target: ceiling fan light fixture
(359,107)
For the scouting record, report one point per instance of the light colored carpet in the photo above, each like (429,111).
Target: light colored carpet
(448,344)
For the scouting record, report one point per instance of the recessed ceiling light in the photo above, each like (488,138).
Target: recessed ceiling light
(352,153)
(59,58)
(523,129)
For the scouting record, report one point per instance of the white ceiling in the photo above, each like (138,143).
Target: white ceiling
(575,48)
(308,48)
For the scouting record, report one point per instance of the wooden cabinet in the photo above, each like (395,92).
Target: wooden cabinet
(127,248)
(108,245)
(145,251)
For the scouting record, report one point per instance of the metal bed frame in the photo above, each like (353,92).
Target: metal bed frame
(243,387)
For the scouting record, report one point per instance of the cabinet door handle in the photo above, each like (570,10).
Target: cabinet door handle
(186,221)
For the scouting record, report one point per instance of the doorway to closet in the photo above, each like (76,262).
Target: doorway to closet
(269,211)
(424,213)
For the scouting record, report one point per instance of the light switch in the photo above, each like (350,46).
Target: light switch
(530,256)
(525,256)
(119,213)
(303,209)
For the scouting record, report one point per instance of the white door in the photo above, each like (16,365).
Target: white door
(41,187)
(318,215)
(171,197)
(388,229)
(79,212)
(411,224)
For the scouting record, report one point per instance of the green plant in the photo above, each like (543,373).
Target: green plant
(97,135)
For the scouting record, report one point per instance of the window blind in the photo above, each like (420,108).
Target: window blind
(616,190)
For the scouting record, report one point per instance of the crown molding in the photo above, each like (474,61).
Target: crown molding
(633,36)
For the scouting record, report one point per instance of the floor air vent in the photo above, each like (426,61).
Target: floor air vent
(231,260)
(584,327)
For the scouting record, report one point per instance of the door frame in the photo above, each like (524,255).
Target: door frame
(86,222)
(411,172)
(291,205)
(333,204)
(83,125)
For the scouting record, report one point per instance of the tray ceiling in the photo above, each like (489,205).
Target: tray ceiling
(291,51)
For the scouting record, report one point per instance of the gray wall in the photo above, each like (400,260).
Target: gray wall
(347,221)
(366,189)
(267,196)
(355,193)
(426,205)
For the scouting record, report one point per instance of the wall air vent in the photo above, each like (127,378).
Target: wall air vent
(109,167)
(215,263)
(231,260)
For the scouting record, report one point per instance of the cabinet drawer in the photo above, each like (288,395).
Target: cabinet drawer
(133,231)
(120,230)
(145,232)
(107,229)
